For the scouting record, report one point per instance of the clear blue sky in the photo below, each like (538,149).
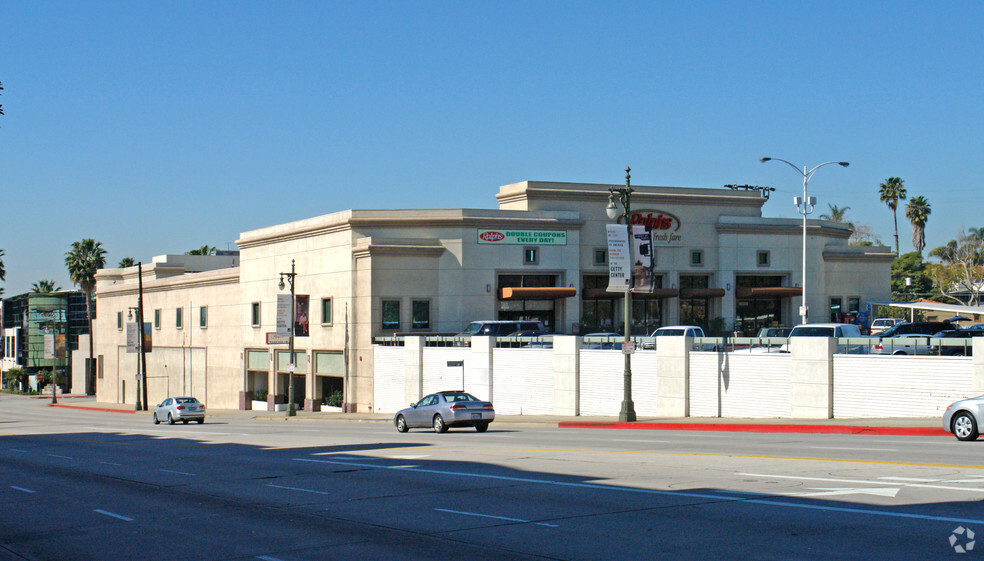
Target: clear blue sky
(158,127)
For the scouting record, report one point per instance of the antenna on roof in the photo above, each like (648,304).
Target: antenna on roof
(766,191)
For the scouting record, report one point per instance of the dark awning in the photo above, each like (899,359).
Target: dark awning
(769,292)
(701,292)
(537,292)
(599,293)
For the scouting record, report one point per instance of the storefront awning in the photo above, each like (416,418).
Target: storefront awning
(769,292)
(600,293)
(538,293)
(701,292)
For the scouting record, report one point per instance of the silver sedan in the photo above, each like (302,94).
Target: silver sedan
(182,409)
(442,410)
(963,418)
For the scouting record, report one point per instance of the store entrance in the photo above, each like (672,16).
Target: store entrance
(542,310)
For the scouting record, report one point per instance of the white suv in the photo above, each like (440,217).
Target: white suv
(881,324)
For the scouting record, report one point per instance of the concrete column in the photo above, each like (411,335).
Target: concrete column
(413,348)
(567,375)
(312,391)
(478,367)
(673,376)
(812,377)
(978,384)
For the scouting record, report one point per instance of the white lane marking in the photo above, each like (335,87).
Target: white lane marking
(268,558)
(639,440)
(911,479)
(496,517)
(865,481)
(830,492)
(177,472)
(112,464)
(688,494)
(22,489)
(410,456)
(853,448)
(60,456)
(17,450)
(297,489)
(114,515)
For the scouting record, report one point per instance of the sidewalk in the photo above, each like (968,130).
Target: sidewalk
(884,426)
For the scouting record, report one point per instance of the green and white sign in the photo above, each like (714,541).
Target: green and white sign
(522,237)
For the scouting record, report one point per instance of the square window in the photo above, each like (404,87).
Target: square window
(531,255)
(157,319)
(326,310)
(203,316)
(420,314)
(177,318)
(600,257)
(696,258)
(391,314)
(762,259)
(255,314)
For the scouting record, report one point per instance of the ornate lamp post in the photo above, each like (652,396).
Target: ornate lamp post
(137,309)
(290,367)
(623,197)
(804,206)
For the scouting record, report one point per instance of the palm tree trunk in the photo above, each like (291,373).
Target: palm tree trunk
(89,366)
(895,217)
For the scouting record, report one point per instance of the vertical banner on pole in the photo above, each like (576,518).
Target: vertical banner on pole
(645,258)
(283,315)
(619,264)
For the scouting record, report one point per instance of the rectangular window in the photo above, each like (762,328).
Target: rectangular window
(326,311)
(177,318)
(203,316)
(697,258)
(853,305)
(420,314)
(835,309)
(531,255)
(600,257)
(254,318)
(157,319)
(763,259)
(119,320)
(391,314)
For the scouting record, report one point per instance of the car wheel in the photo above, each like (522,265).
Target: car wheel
(482,427)
(964,426)
(201,421)
(439,425)
(156,420)
(170,419)
(401,424)
(185,421)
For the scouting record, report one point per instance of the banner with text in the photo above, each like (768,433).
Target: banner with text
(522,237)
(619,263)
(643,255)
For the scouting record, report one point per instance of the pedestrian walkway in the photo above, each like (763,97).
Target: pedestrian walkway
(883,426)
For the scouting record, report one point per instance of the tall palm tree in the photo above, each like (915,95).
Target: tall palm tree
(204,250)
(917,211)
(126,262)
(837,214)
(87,257)
(972,232)
(44,286)
(891,192)
(3,272)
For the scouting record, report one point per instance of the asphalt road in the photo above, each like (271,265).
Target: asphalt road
(92,485)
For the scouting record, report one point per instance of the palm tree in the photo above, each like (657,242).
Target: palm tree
(891,192)
(3,272)
(917,211)
(837,214)
(126,262)
(972,232)
(204,250)
(44,287)
(87,257)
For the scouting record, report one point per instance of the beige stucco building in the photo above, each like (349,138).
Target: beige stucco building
(716,261)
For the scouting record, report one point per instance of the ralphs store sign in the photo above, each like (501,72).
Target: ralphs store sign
(522,237)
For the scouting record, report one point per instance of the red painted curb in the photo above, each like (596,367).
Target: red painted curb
(91,408)
(813,429)
(59,396)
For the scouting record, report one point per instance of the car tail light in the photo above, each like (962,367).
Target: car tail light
(181,407)
(458,407)
(877,347)
(487,406)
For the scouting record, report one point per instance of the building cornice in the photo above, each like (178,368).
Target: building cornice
(217,277)
(641,194)
(781,227)
(366,247)
(854,253)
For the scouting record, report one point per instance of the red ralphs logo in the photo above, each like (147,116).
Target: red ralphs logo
(655,220)
(492,236)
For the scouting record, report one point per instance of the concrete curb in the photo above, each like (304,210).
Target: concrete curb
(131,412)
(766,428)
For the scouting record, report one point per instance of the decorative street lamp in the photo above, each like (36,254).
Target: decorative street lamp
(624,197)
(805,206)
(290,366)
(132,309)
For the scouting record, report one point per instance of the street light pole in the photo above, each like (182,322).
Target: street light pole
(132,309)
(805,206)
(290,366)
(627,413)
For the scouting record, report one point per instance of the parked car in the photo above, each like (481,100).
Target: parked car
(963,418)
(678,331)
(182,409)
(921,328)
(773,332)
(907,344)
(881,324)
(611,340)
(835,330)
(442,410)
(955,350)
(501,327)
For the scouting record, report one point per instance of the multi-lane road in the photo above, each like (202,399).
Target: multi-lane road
(92,485)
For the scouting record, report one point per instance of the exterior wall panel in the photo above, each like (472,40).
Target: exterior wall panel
(899,386)
(740,385)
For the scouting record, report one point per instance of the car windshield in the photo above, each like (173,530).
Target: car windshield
(472,328)
(812,332)
(186,400)
(668,332)
(459,396)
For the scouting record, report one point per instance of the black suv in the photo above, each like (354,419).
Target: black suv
(925,328)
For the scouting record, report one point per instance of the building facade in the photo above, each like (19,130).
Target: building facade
(713,260)
(28,318)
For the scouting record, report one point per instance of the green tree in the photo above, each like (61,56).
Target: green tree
(918,211)
(837,214)
(910,265)
(204,250)
(958,275)
(126,262)
(85,258)
(891,192)
(44,286)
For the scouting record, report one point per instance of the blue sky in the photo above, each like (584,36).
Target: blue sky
(158,127)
